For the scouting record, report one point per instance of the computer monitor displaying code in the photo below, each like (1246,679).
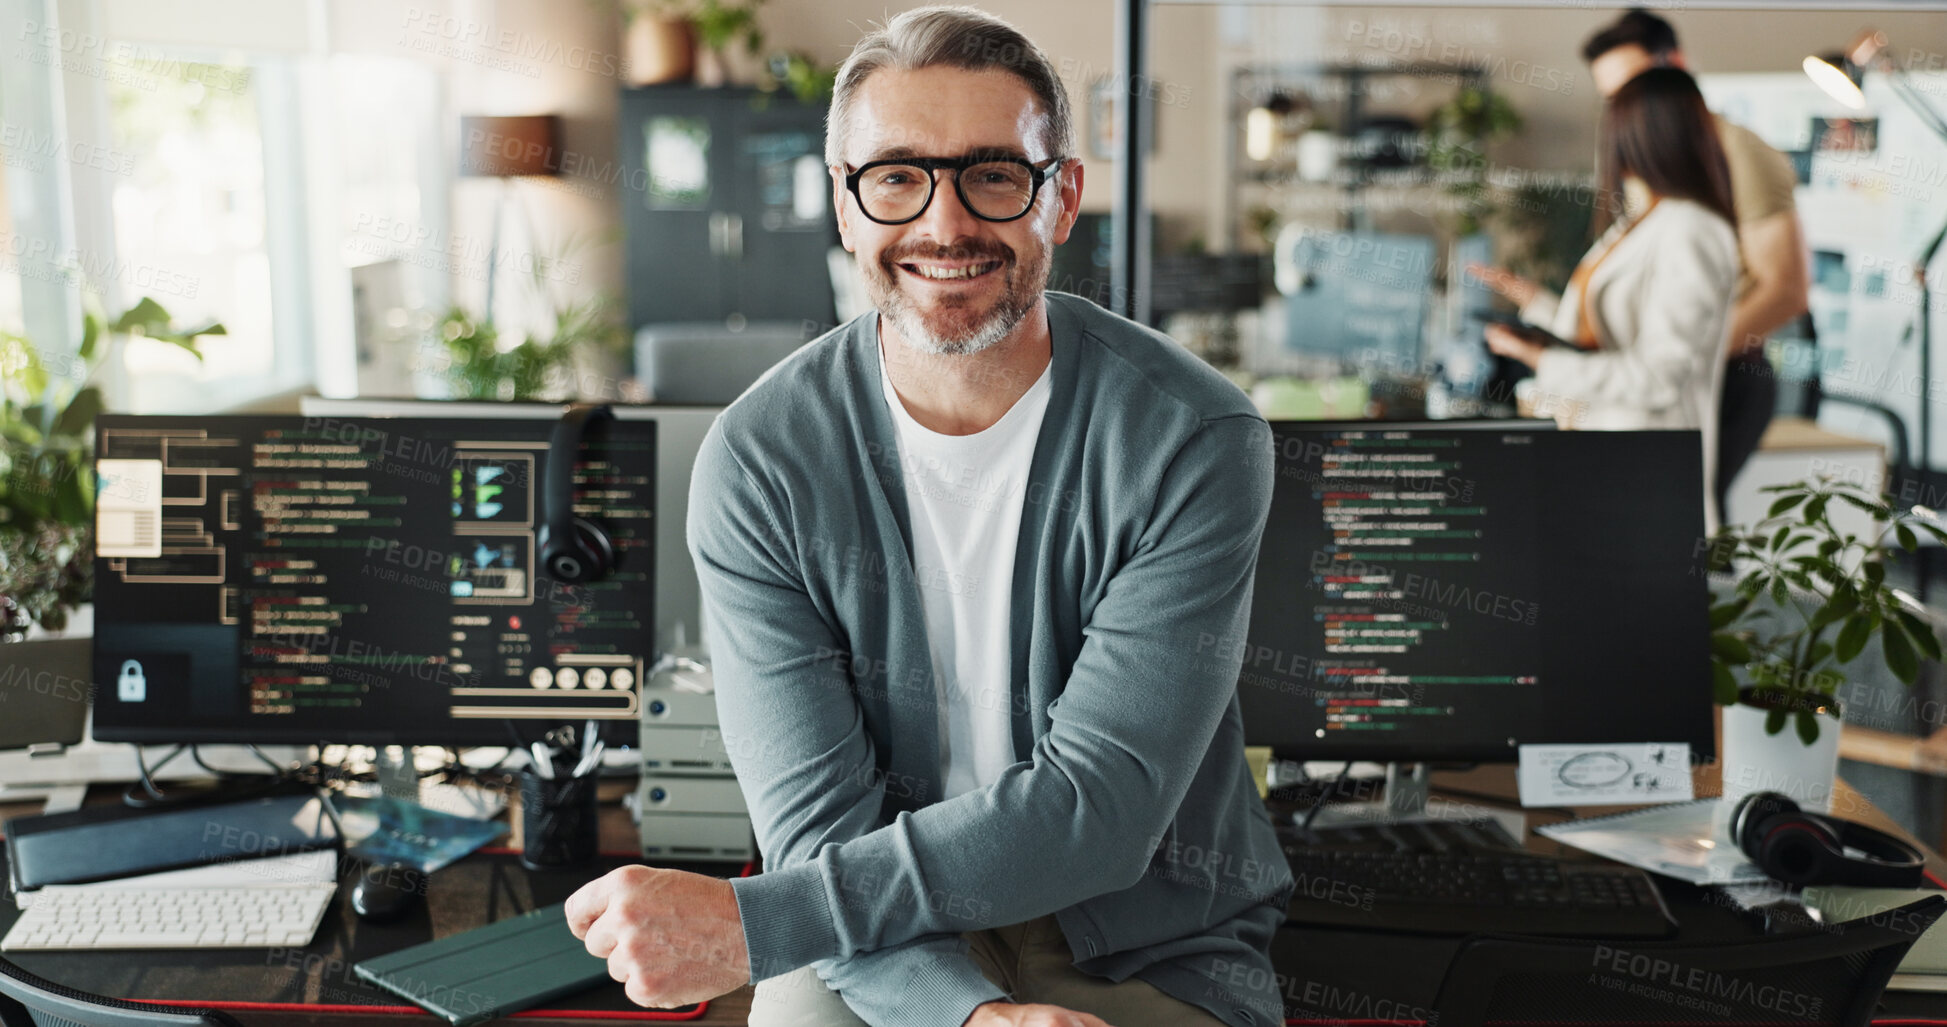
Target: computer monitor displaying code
(366,581)
(1432,592)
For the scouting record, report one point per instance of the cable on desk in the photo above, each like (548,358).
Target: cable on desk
(490,777)
(1319,804)
(230,785)
(272,764)
(147,779)
(276,772)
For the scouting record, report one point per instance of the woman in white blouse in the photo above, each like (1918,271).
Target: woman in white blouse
(1645,314)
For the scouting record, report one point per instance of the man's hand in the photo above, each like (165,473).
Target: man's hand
(671,938)
(1007,1014)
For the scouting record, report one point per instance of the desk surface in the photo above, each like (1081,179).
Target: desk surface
(311,976)
(1493,785)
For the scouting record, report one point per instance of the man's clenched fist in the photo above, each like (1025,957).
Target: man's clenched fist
(671,938)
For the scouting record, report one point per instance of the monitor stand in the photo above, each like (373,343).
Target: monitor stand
(1405,798)
(1408,797)
(397,772)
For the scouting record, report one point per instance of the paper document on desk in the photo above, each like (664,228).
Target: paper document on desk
(1604,775)
(1679,841)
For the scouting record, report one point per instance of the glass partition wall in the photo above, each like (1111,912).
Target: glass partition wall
(1315,179)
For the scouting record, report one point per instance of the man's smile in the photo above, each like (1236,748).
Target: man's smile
(942,271)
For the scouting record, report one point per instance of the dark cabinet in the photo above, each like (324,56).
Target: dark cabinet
(732,221)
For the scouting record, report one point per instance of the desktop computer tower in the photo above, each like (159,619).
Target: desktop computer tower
(688,804)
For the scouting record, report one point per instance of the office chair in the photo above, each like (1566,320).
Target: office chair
(1831,976)
(27,1000)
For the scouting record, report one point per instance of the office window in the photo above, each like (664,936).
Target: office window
(12,316)
(385,123)
(191,221)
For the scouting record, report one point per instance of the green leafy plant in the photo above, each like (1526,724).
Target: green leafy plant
(478,366)
(807,80)
(718,23)
(47,419)
(1810,597)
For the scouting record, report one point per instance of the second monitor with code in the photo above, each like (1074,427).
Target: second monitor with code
(1443,592)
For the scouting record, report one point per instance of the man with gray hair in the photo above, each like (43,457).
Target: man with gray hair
(978,567)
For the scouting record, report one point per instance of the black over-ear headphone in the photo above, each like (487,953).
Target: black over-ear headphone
(573,549)
(1802,848)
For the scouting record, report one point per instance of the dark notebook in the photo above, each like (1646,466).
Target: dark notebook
(99,843)
(490,971)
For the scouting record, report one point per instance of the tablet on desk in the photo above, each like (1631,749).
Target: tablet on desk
(491,971)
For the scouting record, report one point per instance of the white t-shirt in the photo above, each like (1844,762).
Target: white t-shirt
(964,495)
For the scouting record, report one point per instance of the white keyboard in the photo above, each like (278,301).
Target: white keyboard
(121,917)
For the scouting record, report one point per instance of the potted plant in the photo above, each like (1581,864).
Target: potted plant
(658,44)
(1811,598)
(719,25)
(47,486)
(676,40)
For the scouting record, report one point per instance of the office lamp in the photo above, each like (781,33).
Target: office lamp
(1840,75)
(506,148)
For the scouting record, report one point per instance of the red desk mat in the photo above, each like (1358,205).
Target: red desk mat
(487,886)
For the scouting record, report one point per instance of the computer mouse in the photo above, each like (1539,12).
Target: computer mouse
(387,891)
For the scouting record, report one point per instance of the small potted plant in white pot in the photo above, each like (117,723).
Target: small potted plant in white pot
(1811,599)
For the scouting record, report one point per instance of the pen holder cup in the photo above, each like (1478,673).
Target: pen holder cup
(557,821)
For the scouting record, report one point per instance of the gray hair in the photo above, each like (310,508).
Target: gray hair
(955,36)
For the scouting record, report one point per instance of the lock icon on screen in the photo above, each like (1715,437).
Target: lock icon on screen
(131,685)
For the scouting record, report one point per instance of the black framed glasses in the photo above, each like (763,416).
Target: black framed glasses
(893,192)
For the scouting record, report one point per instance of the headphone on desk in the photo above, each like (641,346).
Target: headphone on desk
(573,549)
(1802,848)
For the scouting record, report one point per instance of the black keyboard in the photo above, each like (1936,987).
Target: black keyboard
(1467,892)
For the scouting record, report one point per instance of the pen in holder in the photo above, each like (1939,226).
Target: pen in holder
(557,820)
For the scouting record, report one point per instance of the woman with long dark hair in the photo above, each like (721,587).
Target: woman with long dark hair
(1636,340)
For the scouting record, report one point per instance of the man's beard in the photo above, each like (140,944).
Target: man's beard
(958,329)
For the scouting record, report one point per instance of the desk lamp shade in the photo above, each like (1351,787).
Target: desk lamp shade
(504,147)
(1840,74)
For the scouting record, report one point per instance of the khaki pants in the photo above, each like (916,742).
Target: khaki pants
(1029,961)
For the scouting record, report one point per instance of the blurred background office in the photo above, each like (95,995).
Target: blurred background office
(623,199)
(516,199)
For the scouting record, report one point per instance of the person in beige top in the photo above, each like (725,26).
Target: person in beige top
(1636,340)
(1773,280)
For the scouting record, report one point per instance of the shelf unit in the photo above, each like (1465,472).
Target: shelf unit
(1352,87)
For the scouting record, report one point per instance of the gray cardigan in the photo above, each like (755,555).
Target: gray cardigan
(1130,815)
